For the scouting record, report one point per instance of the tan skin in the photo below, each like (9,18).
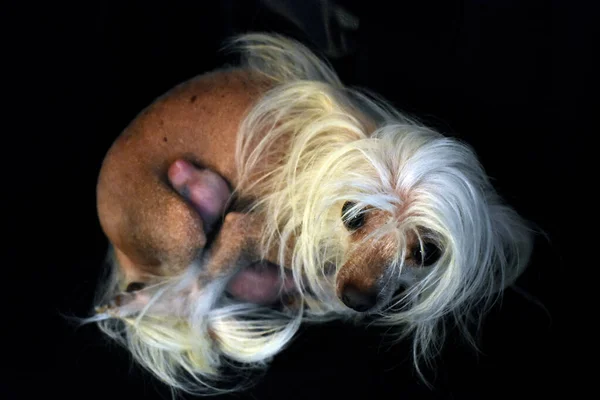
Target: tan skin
(155,211)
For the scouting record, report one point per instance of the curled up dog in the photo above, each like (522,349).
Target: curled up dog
(252,199)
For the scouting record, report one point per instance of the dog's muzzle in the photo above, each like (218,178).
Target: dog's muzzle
(366,295)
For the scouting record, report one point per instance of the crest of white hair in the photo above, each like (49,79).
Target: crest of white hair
(311,144)
(305,148)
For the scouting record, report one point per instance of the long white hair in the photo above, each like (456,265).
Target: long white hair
(308,146)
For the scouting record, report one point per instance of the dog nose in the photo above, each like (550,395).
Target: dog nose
(357,299)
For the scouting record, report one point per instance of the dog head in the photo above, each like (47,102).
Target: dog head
(376,214)
(430,221)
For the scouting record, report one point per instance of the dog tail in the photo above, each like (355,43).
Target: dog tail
(282,60)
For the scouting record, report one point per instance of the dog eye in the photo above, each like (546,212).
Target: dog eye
(352,223)
(428,255)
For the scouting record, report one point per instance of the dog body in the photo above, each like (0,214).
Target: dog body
(369,212)
(197,121)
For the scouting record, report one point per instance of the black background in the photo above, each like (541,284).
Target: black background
(508,77)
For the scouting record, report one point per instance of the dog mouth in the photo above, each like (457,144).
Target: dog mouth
(262,283)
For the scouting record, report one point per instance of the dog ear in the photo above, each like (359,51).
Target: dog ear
(512,246)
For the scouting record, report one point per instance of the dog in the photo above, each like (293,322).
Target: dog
(255,198)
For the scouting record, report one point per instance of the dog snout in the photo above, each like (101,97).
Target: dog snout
(360,300)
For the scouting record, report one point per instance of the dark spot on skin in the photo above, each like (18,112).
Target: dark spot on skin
(118,300)
(193,99)
(165,139)
(134,287)
(161,123)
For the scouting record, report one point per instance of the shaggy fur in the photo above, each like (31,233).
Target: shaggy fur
(309,146)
